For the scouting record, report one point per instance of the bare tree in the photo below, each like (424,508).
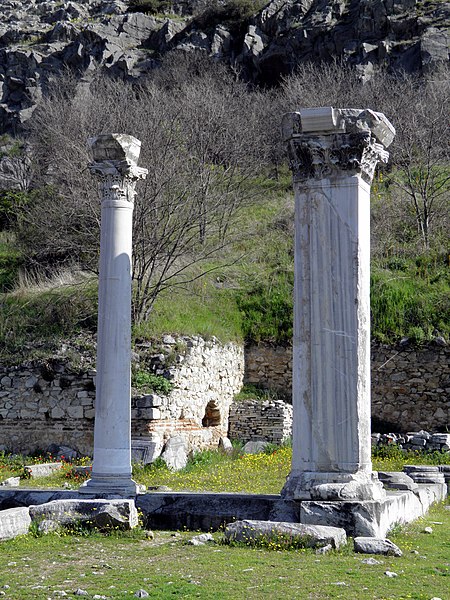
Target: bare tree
(418,108)
(200,144)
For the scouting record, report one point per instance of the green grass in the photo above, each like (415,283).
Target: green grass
(411,298)
(248,295)
(213,471)
(10,260)
(198,309)
(117,566)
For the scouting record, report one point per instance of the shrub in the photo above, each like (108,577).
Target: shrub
(149,382)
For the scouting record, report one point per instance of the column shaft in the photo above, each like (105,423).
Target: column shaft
(115,157)
(333,155)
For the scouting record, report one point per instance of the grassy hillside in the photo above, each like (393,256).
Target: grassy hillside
(246,295)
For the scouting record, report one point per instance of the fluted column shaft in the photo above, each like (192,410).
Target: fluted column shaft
(333,154)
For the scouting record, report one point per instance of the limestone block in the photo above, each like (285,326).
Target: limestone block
(372,545)
(14,522)
(146,450)
(104,514)
(312,536)
(175,453)
(41,470)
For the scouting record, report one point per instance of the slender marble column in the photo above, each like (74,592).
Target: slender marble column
(333,154)
(115,163)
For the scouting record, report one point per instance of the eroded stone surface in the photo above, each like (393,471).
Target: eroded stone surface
(175,453)
(371,545)
(103,514)
(311,536)
(14,522)
(332,155)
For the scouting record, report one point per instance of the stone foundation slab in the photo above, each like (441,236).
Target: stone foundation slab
(209,511)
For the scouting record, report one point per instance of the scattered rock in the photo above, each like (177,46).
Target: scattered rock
(371,545)
(428,530)
(141,594)
(48,526)
(80,592)
(225,445)
(325,549)
(390,574)
(201,540)
(371,561)
(62,452)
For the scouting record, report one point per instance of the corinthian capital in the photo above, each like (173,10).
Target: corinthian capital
(115,163)
(324,143)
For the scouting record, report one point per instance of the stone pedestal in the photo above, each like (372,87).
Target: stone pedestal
(333,154)
(115,163)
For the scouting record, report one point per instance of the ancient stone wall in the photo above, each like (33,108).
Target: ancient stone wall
(268,420)
(45,403)
(411,387)
(410,384)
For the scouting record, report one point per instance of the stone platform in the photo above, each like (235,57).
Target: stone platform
(206,511)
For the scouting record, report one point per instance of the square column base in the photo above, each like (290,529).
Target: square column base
(307,485)
(111,485)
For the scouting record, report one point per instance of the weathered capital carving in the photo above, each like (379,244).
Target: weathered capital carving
(324,143)
(115,163)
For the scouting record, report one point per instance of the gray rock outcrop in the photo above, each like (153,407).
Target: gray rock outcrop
(39,40)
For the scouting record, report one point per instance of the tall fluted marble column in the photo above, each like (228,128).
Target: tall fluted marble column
(115,164)
(333,154)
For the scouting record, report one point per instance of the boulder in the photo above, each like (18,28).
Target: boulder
(372,545)
(310,536)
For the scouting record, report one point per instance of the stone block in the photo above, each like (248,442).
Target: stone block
(41,470)
(397,480)
(14,522)
(175,453)
(372,545)
(311,536)
(104,514)
(145,451)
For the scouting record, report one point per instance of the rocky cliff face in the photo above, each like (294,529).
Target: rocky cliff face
(41,38)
